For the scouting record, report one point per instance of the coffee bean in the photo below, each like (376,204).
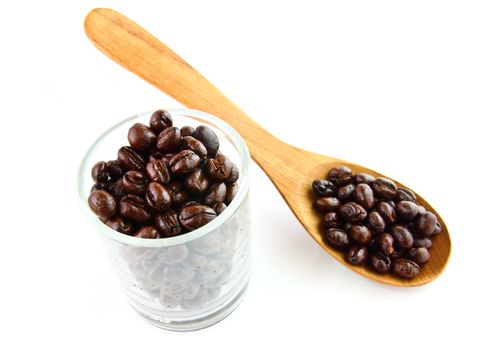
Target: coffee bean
(187,131)
(219,168)
(184,162)
(422,243)
(387,212)
(134,209)
(158,197)
(376,222)
(168,224)
(406,268)
(384,243)
(380,262)
(363,178)
(325,204)
(134,182)
(352,212)
(102,204)
(419,255)
(179,195)
(426,224)
(437,230)
(363,195)
(196,181)
(147,232)
(360,234)
(219,207)
(215,194)
(404,194)
(340,176)
(234,174)
(169,140)
(385,188)
(120,225)
(357,255)
(141,137)
(403,237)
(160,120)
(115,169)
(117,189)
(407,210)
(194,145)
(345,193)
(331,220)
(100,172)
(130,159)
(231,191)
(324,188)
(157,171)
(337,238)
(194,216)
(208,138)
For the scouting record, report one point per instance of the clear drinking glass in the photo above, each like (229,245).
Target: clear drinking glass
(189,281)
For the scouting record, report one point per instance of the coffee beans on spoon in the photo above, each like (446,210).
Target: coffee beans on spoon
(375,222)
(169,181)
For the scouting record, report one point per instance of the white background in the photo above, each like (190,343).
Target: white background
(402,87)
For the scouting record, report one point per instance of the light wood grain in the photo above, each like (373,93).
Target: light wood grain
(291,169)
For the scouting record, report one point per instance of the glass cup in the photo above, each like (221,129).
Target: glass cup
(189,281)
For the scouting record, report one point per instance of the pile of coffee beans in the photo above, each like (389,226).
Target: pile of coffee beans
(375,222)
(169,181)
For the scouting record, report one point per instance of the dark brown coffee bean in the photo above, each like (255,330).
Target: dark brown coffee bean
(100,172)
(115,169)
(363,178)
(117,189)
(337,238)
(385,188)
(120,225)
(215,194)
(387,212)
(184,162)
(363,195)
(407,210)
(134,182)
(376,222)
(384,243)
(419,255)
(380,262)
(168,224)
(102,204)
(141,137)
(208,138)
(157,171)
(134,209)
(158,197)
(160,120)
(326,204)
(196,181)
(187,131)
(219,208)
(404,194)
(231,191)
(179,195)
(426,224)
(219,168)
(422,243)
(345,193)
(324,188)
(194,216)
(331,220)
(403,237)
(194,145)
(352,212)
(406,268)
(360,234)
(130,159)
(234,174)
(340,176)
(357,255)
(149,232)
(169,140)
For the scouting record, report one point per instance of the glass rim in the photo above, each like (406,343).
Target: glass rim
(235,139)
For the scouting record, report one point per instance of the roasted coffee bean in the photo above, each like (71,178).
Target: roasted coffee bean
(385,188)
(194,145)
(324,188)
(406,268)
(345,193)
(103,204)
(363,178)
(117,189)
(387,212)
(380,262)
(403,237)
(115,169)
(134,209)
(141,137)
(160,120)
(219,168)
(120,225)
(437,230)
(231,191)
(184,162)
(360,234)
(331,220)
(325,204)
(352,212)
(196,181)
(384,243)
(357,255)
(340,176)
(337,238)
(158,197)
(426,224)
(194,216)
(404,194)
(407,210)
(100,172)
(363,195)
(187,131)
(179,195)
(376,222)
(130,159)
(155,155)
(157,171)
(419,255)
(422,243)
(215,194)
(169,140)
(147,232)
(168,224)
(234,174)
(134,182)
(219,208)
(208,138)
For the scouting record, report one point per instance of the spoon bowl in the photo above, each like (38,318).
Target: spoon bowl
(291,169)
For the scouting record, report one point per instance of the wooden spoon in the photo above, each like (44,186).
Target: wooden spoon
(291,169)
